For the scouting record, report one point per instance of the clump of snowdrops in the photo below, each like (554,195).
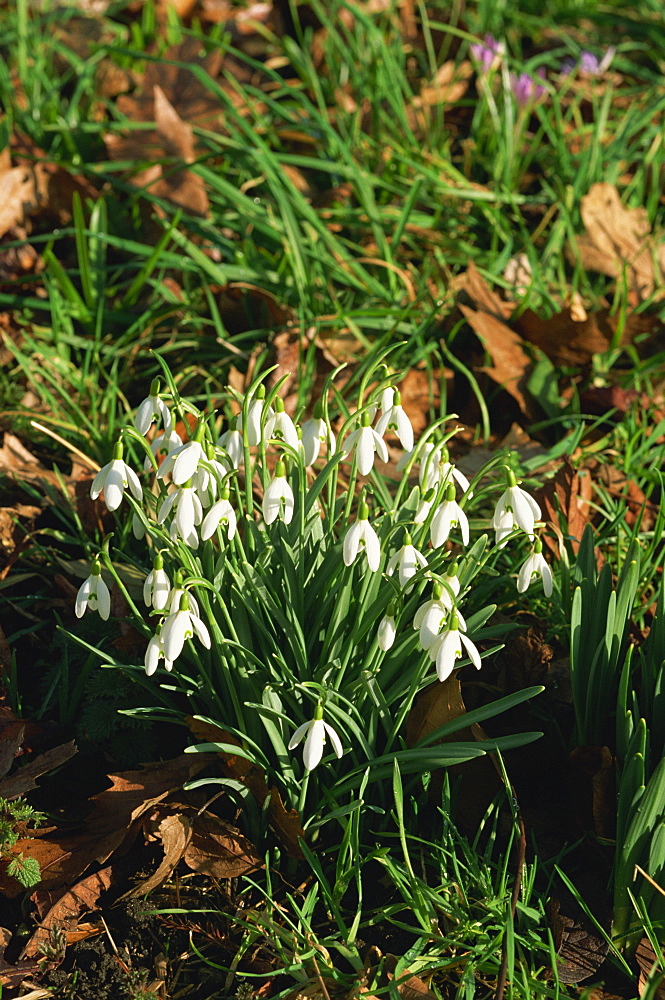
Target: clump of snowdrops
(299,597)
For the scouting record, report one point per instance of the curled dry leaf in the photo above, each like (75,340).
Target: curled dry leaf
(63,915)
(219,849)
(618,238)
(580,950)
(595,789)
(25,779)
(565,504)
(175,833)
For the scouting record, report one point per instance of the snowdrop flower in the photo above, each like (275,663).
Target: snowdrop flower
(447,648)
(153,408)
(221,513)
(424,506)
(366,442)
(487,54)
(157,586)
(448,515)
(535,565)
(255,414)
(231,443)
(182,462)
(395,419)
(189,514)
(278,498)
(407,561)
(94,594)
(154,653)
(316,432)
(163,444)
(208,476)
(431,616)
(361,535)
(387,631)
(113,479)
(283,428)
(447,470)
(176,595)
(180,625)
(316,732)
(514,509)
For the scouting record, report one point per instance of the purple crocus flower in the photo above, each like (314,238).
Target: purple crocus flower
(487,54)
(589,64)
(525,89)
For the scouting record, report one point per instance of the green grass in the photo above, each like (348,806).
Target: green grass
(330,195)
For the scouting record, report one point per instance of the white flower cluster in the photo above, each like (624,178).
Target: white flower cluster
(190,500)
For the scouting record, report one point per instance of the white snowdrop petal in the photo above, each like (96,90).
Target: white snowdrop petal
(134,484)
(200,630)
(299,735)
(380,445)
(351,543)
(82,597)
(313,751)
(165,508)
(174,631)
(447,653)
(474,655)
(114,484)
(546,574)
(365,451)
(386,633)
(98,483)
(404,430)
(187,462)
(152,654)
(334,739)
(144,415)
(103,599)
(463,522)
(161,588)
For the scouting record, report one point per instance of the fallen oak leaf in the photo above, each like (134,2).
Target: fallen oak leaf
(64,913)
(510,362)
(219,849)
(565,501)
(24,780)
(175,832)
(618,238)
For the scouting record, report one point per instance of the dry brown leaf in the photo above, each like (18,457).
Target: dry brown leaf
(510,362)
(525,660)
(566,340)
(175,833)
(617,237)
(580,949)
(438,704)
(64,913)
(219,849)
(594,768)
(111,826)
(482,296)
(638,508)
(25,779)
(19,196)
(646,959)
(564,502)
(11,738)
(285,822)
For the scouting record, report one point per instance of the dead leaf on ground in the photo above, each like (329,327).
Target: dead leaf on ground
(175,833)
(647,959)
(111,826)
(580,949)
(525,660)
(563,339)
(595,789)
(285,822)
(448,86)
(638,508)
(510,362)
(483,297)
(564,502)
(25,778)
(618,238)
(63,915)
(219,849)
